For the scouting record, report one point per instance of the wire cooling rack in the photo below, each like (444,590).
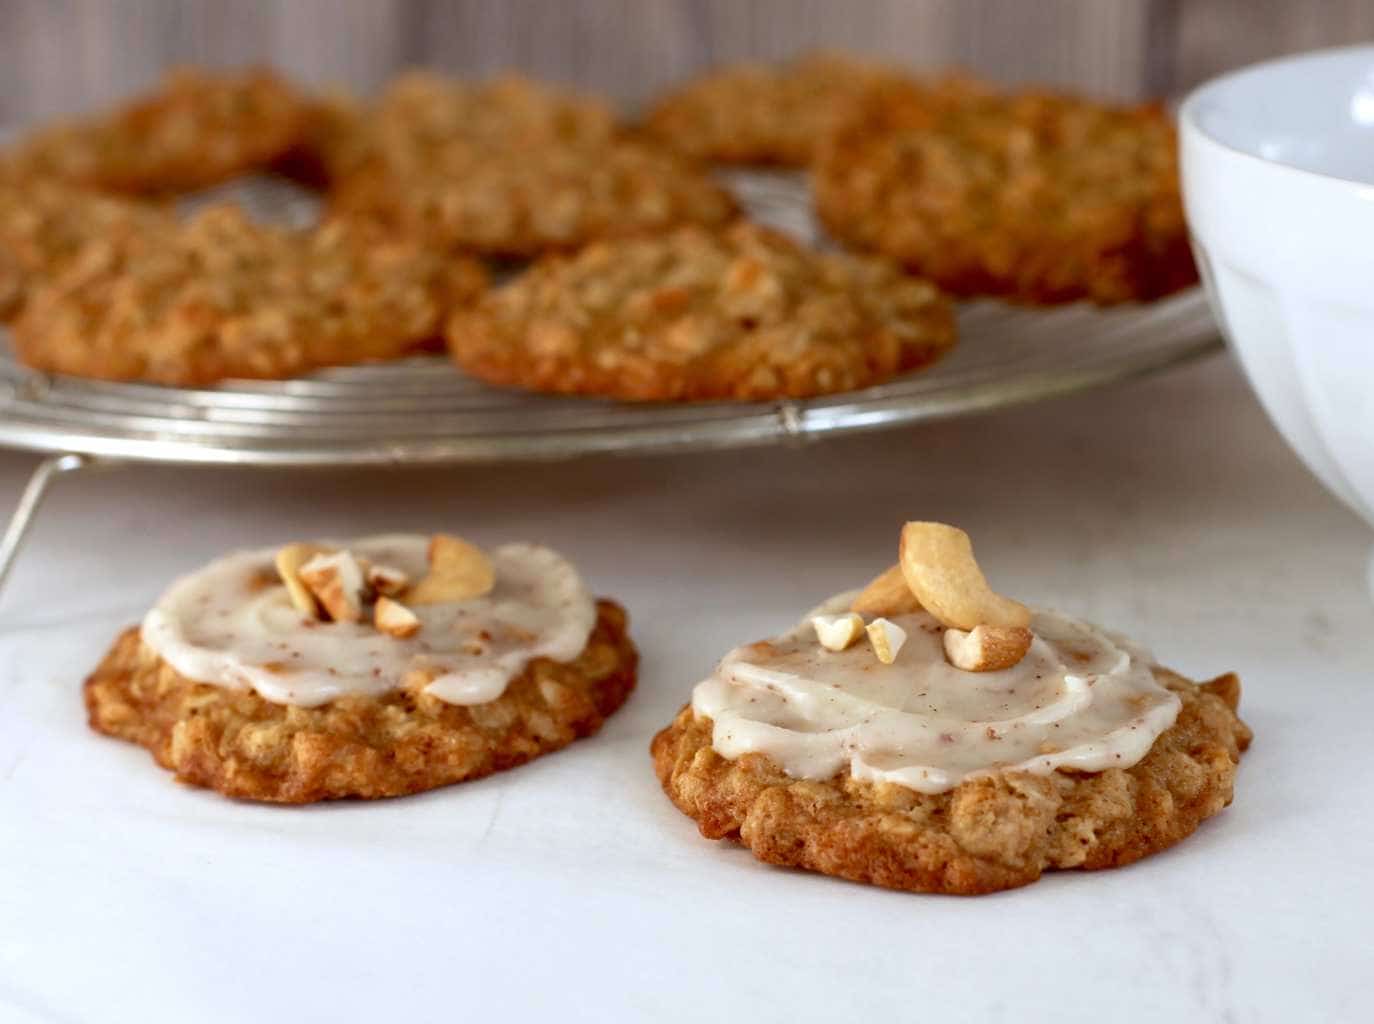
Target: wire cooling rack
(424,412)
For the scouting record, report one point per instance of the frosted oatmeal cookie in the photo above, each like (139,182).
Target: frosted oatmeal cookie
(220,296)
(929,734)
(759,113)
(44,226)
(381,667)
(197,128)
(742,313)
(1036,197)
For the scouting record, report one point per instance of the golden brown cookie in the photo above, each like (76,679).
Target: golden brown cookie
(762,114)
(424,111)
(333,138)
(741,313)
(524,197)
(221,296)
(243,746)
(197,128)
(420,113)
(508,167)
(1036,197)
(988,833)
(44,226)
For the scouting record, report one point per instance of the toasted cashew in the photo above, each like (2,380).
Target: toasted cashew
(838,632)
(338,583)
(888,594)
(385,580)
(986,648)
(458,571)
(289,561)
(938,565)
(887,639)
(395,619)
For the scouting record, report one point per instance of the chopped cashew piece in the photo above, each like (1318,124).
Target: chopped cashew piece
(838,632)
(938,565)
(337,581)
(458,571)
(385,580)
(289,562)
(889,594)
(887,639)
(986,648)
(395,619)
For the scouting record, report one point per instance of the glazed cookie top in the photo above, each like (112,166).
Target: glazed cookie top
(1078,700)
(310,623)
(953,682)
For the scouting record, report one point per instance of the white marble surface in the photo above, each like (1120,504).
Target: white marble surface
(571,889)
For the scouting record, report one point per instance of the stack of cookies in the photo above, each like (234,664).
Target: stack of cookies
(632,272)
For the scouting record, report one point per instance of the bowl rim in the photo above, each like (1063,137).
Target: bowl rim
(1190,125)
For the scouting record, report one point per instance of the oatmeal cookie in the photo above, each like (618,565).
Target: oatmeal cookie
(220,296)
(44,226)
(742,313)
(761,114)
(244,746)
(508,167)
(196,129)
(1036,197)
(988,833)
(523,197)
(333,139)
(421,113)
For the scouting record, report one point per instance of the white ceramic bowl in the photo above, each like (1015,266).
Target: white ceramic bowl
(1278,180)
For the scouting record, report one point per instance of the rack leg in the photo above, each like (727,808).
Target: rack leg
(22,517)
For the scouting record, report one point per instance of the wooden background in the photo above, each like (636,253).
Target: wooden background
(64,55)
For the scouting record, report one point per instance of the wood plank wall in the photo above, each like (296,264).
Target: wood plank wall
(64,55)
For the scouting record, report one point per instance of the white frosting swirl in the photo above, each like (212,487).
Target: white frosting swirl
(1079,700)
(232,624)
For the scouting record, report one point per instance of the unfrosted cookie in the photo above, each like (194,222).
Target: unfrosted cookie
(1037,197)
(221,296)
(697,314)
(927,733)
(758,113)
(44,226)
(420,113)
(423,111)
(487,682)
(508,167)
(523,197)
(197,128)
